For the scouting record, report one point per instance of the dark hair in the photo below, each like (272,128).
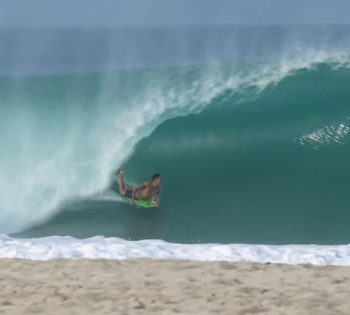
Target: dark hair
(155,176)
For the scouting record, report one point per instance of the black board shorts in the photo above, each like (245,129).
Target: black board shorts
(128,193)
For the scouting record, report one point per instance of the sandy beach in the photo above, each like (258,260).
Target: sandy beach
(145,286)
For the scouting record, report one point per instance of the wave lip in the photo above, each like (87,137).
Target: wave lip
(115,248)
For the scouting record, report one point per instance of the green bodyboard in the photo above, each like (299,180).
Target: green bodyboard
(137,202)
(140,203)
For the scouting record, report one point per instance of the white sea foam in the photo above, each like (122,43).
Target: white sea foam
(115,248)
(325,136)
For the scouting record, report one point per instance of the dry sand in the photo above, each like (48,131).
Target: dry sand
(145,286)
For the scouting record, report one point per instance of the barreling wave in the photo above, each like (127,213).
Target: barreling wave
(62,136)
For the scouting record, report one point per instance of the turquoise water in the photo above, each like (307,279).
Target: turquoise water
(250,151)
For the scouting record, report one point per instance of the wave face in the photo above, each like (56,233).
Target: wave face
(249,132)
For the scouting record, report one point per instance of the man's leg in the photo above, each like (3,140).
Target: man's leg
(121,184)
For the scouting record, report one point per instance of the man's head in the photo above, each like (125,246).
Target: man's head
(157,179)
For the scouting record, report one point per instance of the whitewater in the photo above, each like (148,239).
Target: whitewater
(114,248)
(65,129)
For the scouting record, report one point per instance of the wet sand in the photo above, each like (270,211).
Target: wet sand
(146,286)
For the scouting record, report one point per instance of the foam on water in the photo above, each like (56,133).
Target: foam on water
(326,135)
(115,248)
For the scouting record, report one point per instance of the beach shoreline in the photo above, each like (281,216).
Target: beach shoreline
(154,286)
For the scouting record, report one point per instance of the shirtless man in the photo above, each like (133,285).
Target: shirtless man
(145,191)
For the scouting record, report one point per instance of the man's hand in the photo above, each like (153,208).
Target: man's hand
(155,203)
(154,197)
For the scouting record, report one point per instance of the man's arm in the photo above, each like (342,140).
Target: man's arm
(154,198)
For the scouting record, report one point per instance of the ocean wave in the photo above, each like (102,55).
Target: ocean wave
(63,135)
